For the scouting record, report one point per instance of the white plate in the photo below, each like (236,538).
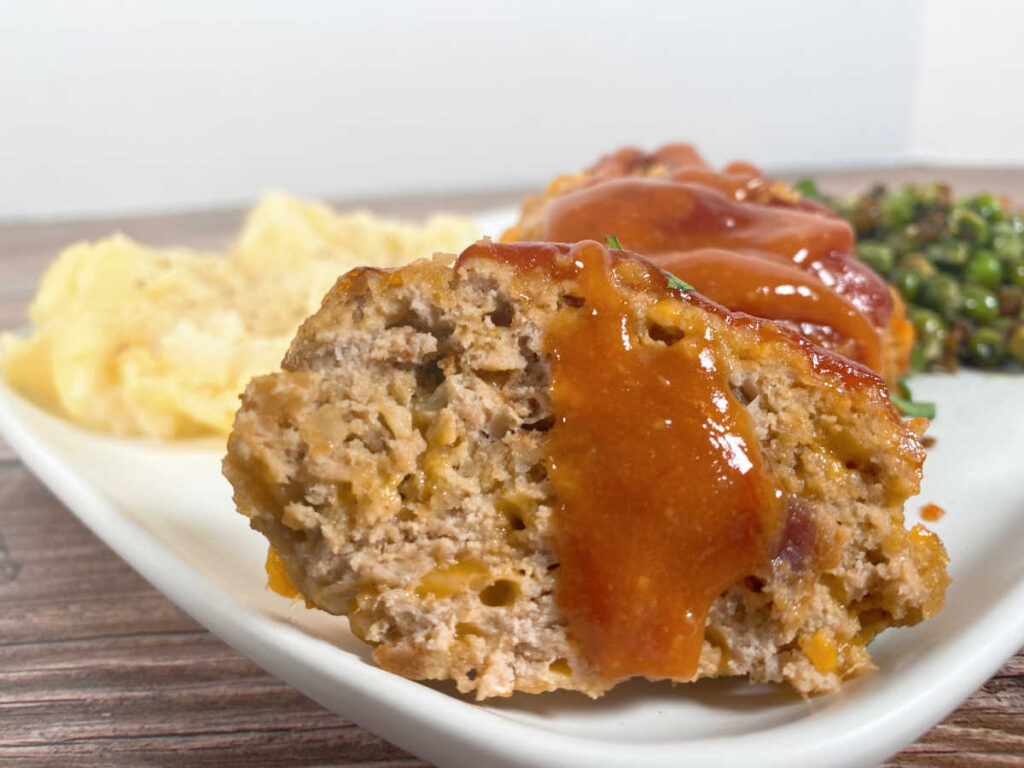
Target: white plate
(166,510)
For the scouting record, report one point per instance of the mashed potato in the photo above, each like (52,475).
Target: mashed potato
(159,342)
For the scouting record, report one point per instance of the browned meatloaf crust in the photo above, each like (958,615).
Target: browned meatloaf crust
(397,465)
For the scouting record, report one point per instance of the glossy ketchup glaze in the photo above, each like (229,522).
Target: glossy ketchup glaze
(777,289)
(663,502)
(656,217)
(682,162)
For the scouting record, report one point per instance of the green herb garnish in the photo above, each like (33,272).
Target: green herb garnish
(675,282)
(910,408)
(905,402)
(808,188)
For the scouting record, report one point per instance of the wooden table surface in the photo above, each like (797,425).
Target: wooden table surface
(98,668)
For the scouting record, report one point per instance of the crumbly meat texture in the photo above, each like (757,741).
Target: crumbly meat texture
(397,465)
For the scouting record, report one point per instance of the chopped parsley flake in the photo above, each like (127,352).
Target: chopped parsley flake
(675,282)
(908,407)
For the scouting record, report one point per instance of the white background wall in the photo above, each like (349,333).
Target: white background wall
(127,106)
(970,89)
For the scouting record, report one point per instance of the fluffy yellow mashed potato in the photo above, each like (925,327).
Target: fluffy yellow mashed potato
(160,342)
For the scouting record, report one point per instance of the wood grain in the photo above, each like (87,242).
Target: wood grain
(98,668)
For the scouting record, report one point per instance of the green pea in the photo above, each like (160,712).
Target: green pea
(879,256)
(987,205)
(948,253)
(984,268)
(980,304)
(930,330)
(1013,272)
(926,322)
(1016,345)
(1008,246)
(916,262)
(941,292)
(1004,228)
(908,283)
(968,224)
(900,241)
(986,347)
(898,208)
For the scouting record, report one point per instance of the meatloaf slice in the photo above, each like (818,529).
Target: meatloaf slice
(399,466)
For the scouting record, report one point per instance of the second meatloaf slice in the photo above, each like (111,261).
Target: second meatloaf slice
(401,466)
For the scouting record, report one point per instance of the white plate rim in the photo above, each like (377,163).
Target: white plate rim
(414,716)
